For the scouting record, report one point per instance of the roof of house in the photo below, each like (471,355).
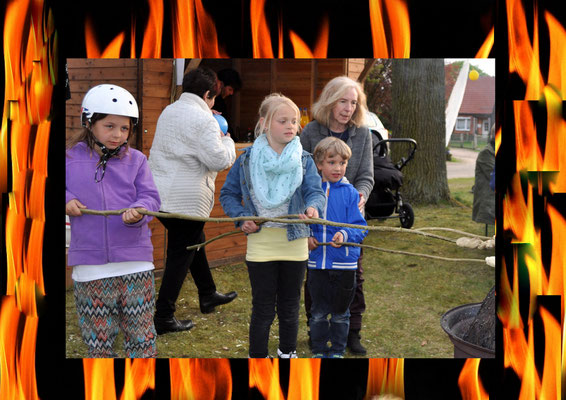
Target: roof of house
(479,97)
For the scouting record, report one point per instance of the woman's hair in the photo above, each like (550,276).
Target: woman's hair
(200,80)
(87,136)
(270,104)
(331,146)
(334,91)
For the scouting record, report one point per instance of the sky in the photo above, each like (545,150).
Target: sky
(487,65)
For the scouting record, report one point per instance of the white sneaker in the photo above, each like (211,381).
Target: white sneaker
(292,354)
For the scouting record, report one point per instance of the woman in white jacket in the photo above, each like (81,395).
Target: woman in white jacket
(187,152)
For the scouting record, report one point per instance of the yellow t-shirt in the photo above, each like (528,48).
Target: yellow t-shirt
(271,244)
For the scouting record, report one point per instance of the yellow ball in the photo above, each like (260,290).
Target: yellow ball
(474,75)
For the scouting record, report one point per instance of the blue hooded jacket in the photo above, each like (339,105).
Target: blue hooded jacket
(341,206)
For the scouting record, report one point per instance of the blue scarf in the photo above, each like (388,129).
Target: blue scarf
(275,177)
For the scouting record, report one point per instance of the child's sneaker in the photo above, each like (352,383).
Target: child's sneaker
(336,355)
(292,354)
(318,355)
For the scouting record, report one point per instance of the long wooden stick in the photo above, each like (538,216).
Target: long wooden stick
(289,219)
(292,219)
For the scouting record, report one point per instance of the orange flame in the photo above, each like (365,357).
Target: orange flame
(153,31)
(523,55)
(550,386)
(385,376)
(208,41)
(301,49)
(543,169)
(261,39)
(556,282)
(487,45)
(557,73)
(471,387)
(184,39)
(139,377)
(264,375)
(399,39)
(200,379)
(10,385)
(304,379)
(190,39)
(92,48)
(30,64)
(99,379)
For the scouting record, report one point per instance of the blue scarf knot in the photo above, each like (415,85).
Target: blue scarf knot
(275,177)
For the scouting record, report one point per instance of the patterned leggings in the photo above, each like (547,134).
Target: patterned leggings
(105,306)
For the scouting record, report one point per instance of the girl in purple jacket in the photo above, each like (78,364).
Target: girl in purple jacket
(112,257)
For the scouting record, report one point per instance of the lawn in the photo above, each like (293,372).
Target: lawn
(405,295)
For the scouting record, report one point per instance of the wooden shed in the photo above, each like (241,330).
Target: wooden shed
(153,82)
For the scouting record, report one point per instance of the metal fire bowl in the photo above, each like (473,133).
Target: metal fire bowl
(456,323)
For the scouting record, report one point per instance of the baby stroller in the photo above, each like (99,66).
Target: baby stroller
(385,201)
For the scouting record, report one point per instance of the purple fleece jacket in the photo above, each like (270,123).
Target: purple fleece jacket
(127,183)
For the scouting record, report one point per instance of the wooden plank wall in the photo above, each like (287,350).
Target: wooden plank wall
(156,77)
(354,67)
(300,80)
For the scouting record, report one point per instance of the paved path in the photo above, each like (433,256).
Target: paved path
(465,164)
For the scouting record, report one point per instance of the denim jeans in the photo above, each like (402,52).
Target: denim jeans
(358,304)
(331,292)
(276,288)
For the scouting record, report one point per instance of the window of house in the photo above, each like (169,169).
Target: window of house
(486,127)
(463,123)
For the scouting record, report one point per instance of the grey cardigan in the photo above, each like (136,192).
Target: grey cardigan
(360,166)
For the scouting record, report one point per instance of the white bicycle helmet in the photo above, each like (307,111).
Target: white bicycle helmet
(109,99)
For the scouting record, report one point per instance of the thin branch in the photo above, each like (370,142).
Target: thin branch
(367,246)
(289,219)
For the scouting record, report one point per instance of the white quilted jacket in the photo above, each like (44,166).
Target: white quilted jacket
(186,154)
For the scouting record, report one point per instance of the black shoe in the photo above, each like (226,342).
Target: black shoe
(209,302)
(165,325)
(309,341)
(354,344)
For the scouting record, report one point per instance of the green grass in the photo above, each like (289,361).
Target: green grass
(468,144)
(461,190)
(405,295)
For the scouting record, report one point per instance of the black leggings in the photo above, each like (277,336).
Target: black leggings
(276,288)
(180,234)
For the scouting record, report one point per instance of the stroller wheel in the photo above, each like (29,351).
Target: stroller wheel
(406,215)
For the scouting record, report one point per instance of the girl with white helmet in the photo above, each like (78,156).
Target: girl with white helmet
(112,257)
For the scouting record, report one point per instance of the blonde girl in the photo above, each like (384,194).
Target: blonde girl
(274,177)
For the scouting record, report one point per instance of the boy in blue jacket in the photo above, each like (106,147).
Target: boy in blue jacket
(331,269)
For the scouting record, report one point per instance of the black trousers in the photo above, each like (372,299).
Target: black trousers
(358,305)
(180,234)
(276,289)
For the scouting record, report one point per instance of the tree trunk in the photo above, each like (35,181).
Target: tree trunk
(419,113)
